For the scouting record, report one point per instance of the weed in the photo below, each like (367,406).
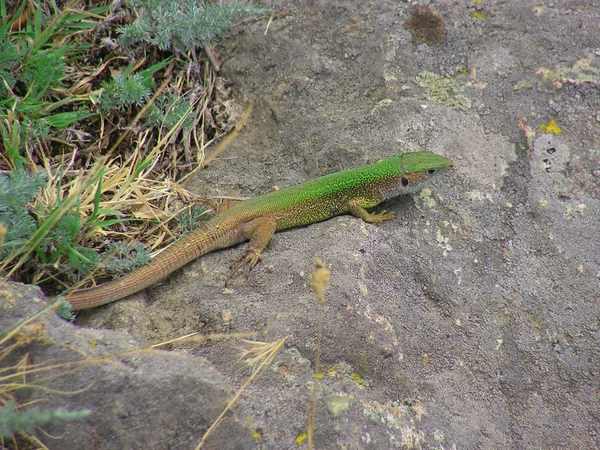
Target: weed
(16,191)
(127,89)
(122,258)
(12,419)
(181,25)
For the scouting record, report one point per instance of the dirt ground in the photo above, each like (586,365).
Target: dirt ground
(472,320)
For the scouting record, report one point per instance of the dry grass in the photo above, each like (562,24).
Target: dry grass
(258,356)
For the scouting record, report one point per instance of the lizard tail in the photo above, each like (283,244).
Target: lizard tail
(172,258)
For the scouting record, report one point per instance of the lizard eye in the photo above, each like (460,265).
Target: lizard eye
(404,181)
(431,171)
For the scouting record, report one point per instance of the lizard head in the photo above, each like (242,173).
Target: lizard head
(414,169)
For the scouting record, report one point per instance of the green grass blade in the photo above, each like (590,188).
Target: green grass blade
(63,208)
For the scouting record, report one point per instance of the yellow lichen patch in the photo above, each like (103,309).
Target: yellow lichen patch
(539,10)
(357,378)
(9,299)
(443,242)
(255,434)
(389,76)
(523,84)
(301,438)
(363,288)
(481,14)
(384,321)
(418,409)
(551,127)
(392,414)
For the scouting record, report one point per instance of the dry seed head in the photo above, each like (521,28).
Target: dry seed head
(320,278)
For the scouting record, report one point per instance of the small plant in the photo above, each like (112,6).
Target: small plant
(50,236)
(122,258)
(127,89)
(16,191)
(169,110)
(12,419)
(182,25)
(191,221)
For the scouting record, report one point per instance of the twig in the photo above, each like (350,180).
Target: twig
(211,58)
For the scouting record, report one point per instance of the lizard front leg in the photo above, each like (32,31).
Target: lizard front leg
(259,231)
(356,210)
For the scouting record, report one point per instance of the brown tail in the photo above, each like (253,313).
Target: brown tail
(174,257)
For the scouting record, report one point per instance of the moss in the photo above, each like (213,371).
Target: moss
(425,26)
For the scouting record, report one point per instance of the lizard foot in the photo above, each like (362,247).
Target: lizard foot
(246,262)
(380,217)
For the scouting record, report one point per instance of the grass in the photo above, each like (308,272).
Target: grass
(100,135)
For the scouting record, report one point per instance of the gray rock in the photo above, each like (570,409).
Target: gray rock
(139,399)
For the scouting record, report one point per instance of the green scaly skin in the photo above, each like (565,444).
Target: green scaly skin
(256,219)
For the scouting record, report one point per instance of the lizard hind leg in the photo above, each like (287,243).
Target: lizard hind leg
(259,231)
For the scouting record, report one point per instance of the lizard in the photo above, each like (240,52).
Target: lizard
(257,219)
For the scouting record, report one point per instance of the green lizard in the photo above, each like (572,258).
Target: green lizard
(256,219)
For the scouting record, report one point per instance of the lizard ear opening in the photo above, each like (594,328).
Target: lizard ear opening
(405,181)
(431,171)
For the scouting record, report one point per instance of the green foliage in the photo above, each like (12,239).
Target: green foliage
(123,258)
(9,58)
(61,241)
(64,309)
(182,25)
(16,192)
(56,242)
(168,110)
(11,419)
(32,66)
(127,89)
(26,81)
(191,221)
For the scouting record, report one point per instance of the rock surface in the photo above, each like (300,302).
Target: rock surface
(470,320)
(138,398)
